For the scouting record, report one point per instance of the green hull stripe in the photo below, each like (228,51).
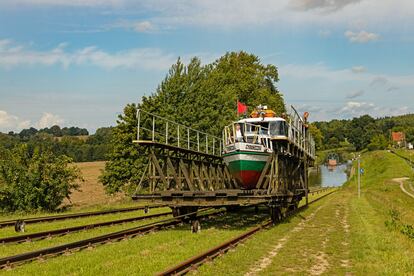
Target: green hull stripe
(246,152)
(246,165)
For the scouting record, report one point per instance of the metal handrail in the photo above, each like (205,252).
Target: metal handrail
(168,132)
(230,133)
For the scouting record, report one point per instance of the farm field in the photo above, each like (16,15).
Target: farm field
(91,191)
(340,234)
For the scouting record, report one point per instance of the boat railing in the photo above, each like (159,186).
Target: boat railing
(244,132)
(157,129)
(299,134)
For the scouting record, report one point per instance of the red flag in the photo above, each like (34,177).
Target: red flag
(241,108)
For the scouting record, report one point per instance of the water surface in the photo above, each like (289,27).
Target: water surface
(328,176)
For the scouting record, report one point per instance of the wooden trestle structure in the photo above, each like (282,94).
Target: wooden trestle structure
(186,171)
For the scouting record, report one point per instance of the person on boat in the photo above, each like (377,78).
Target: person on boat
(239,134)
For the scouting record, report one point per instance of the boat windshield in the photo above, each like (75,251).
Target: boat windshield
(278,128)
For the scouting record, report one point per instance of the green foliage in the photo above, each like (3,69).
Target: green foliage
(361,131)
(394,223)
(203,97)
(378,142)
(55,131)
(317,136)
(125,163)
(64,141)
(34,180)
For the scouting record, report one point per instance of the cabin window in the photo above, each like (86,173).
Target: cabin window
(278,128)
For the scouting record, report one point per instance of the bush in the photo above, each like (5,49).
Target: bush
(35,180)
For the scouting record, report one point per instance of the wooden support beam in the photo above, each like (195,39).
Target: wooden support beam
(186,175)
(158,169)
(206,175)
(229,179)
(264,173)
(172,169)
(195,170)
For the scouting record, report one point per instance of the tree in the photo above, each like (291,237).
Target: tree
(317,136)
(37,180)
(378,142)
(27,133)
(125,161)
(203,97)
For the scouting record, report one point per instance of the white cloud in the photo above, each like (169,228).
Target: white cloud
(358,69)
(145,58)
(324,33)
(356,108)
(242,13)
(355,94)
(392,88)
(330,5)
(308,108)
(9,121)
(79,3)
(379,81)
(143,26)
(48,120)
(361,36)
(136,26)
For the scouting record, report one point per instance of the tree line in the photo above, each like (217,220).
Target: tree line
(73,142)
(364,132)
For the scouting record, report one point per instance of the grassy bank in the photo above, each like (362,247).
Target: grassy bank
(378,244)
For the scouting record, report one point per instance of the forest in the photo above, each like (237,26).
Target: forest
(364,132)
(73,142)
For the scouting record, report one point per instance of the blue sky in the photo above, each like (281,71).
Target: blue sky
(80,62)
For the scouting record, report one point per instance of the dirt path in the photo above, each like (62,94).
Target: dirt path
(267,260)
(317,245)
(401,182)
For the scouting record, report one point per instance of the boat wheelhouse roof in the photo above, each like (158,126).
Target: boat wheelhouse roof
(261,120)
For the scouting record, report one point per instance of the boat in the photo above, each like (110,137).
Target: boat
(248,144)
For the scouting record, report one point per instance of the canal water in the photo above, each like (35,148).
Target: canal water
(328,177)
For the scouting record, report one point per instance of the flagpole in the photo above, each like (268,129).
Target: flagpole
(237,107)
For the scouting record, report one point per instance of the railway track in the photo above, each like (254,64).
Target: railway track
(194,262)
(75,215)
(65,231)
(91,242)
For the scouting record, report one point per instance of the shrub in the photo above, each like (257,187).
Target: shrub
(35,179)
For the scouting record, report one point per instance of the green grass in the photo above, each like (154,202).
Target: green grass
(290,258)
(44,226)
(367,247)
(12,249)
(337,235)
(148,254)
(124,204)
(376,248)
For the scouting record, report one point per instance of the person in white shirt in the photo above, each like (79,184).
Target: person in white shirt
(239,135)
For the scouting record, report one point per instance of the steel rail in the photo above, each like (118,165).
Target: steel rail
(115,236)
(74,215)
(192,263)
(65,231)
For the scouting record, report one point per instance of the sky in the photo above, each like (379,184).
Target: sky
(79,62)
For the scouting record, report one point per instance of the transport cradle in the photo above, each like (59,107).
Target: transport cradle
(188,169)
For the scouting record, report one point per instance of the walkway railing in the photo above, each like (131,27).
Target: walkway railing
(299,134)
(157,129)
